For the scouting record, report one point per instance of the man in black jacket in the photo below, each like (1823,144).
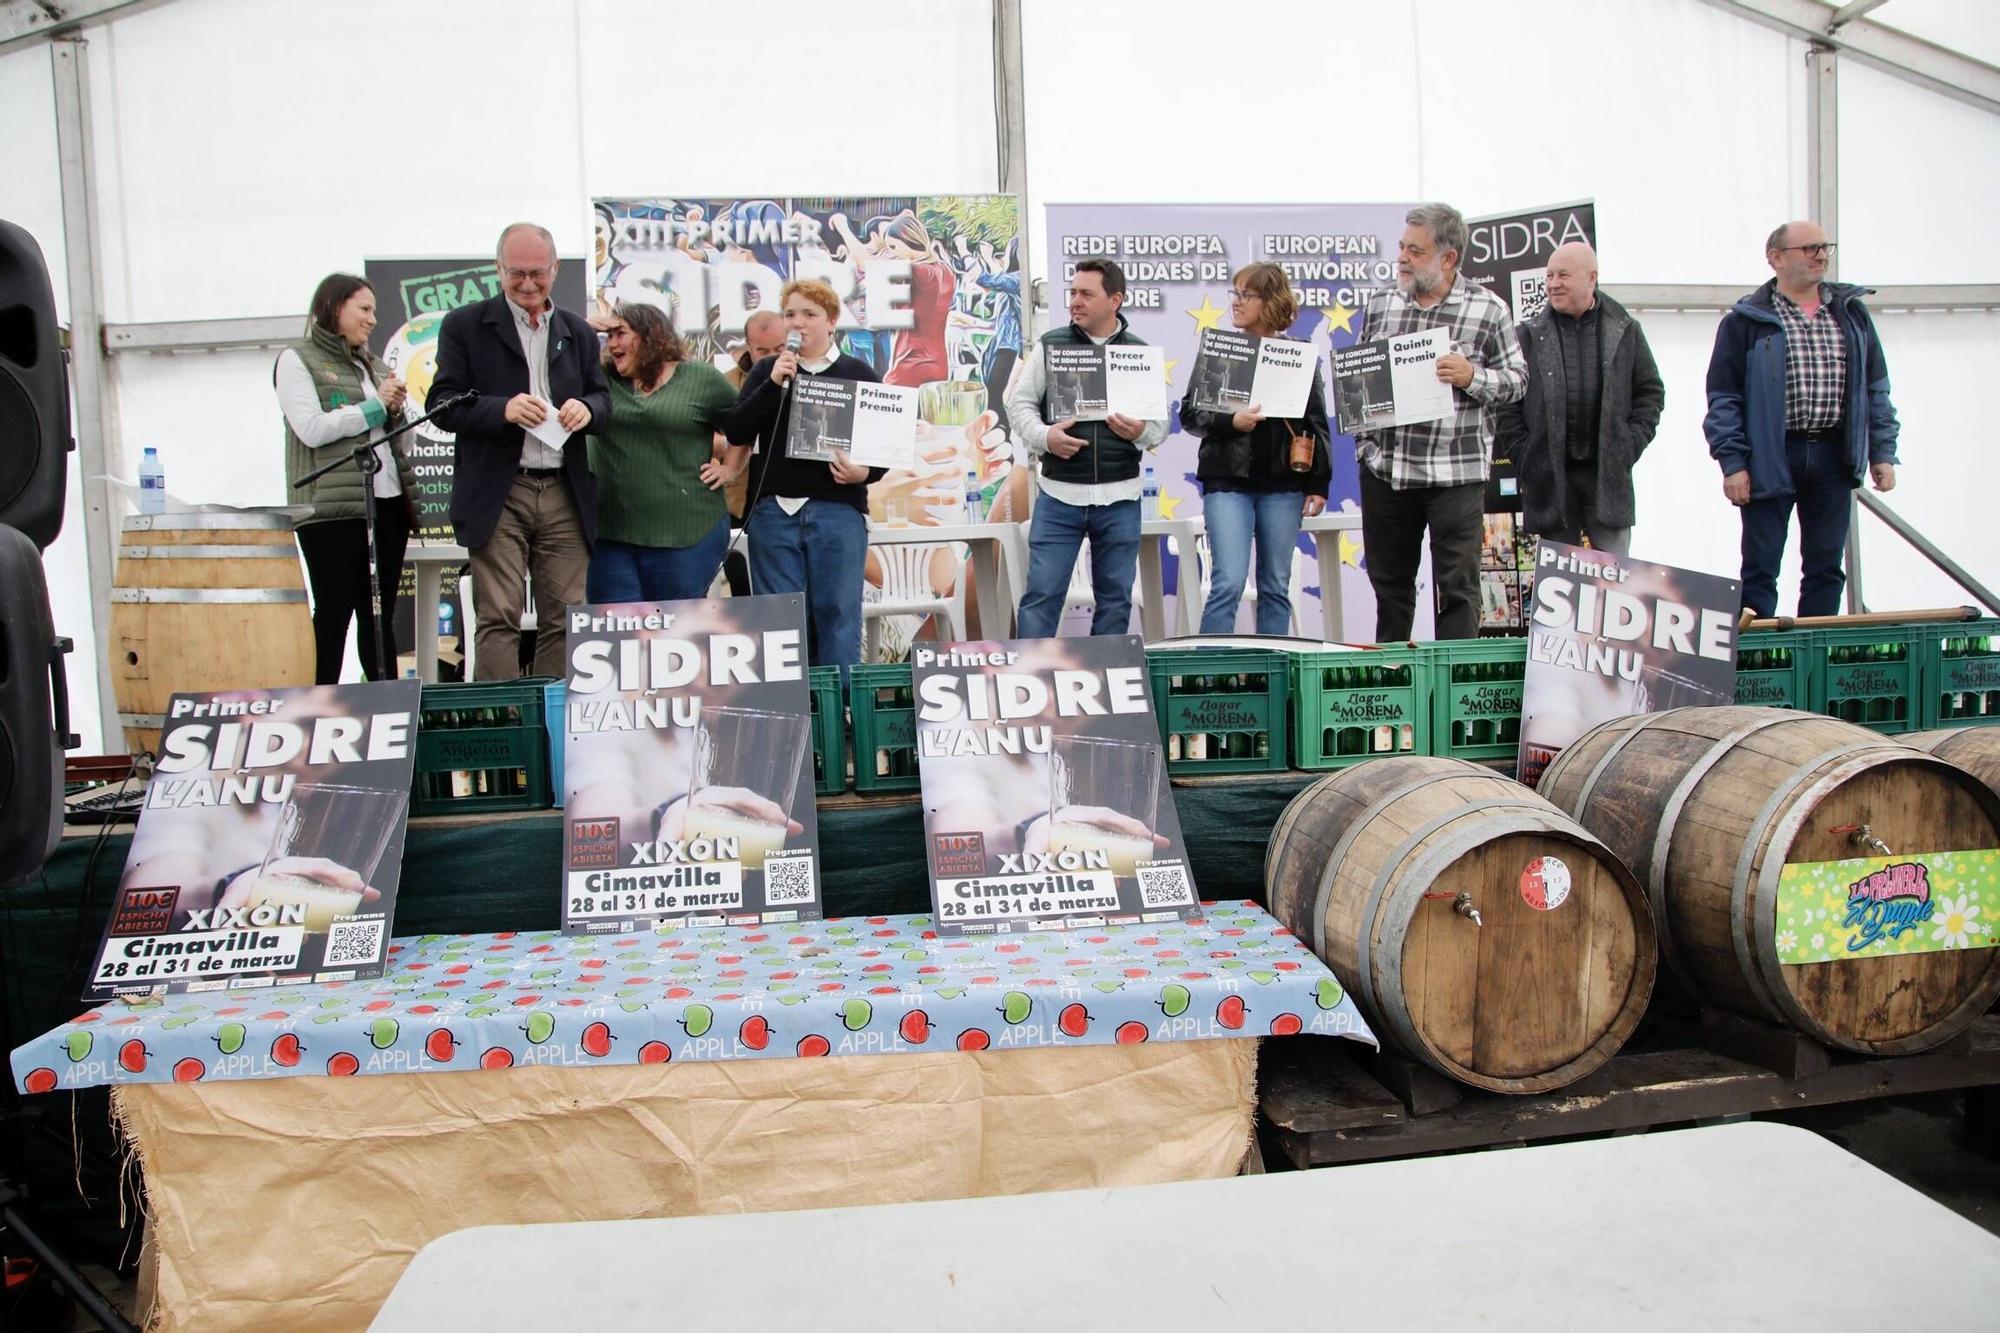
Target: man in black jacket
(1593,402)
(1087,473)
(521,504)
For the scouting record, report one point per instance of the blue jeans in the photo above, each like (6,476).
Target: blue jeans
(1823,489)
(1233,517)
(1054,537)
(624,572)
(820,551)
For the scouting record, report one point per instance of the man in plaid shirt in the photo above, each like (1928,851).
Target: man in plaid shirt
(1798,409)
(1433,474)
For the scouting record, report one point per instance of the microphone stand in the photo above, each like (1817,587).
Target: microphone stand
(364,457)
(757,491)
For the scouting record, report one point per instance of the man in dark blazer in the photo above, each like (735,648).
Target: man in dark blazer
(521,505)
(1593,402)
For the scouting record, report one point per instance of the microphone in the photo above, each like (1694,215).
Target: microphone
(794,340)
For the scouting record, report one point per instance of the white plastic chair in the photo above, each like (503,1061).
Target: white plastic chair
(906,590)
(1205,570)
(1081,596)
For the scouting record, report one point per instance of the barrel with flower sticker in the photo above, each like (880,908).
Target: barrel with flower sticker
(1803,871)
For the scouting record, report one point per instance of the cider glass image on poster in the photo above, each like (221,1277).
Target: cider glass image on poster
(746,769)
(326,849)
(1103,797)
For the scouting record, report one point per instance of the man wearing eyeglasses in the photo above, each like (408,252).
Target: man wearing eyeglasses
(1798,414)
(523,500)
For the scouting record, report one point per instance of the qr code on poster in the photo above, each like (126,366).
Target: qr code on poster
(353,942)
(1165,886)
(788,879)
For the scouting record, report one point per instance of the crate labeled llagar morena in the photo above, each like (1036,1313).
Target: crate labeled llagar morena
(1475,687)
(1774,669)
(1360,704)
(482,746)
(884,710)
(1960,671)
(1867,676)
(829,731)
(1220,710)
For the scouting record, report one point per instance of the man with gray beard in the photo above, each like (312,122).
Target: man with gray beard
(1433,474)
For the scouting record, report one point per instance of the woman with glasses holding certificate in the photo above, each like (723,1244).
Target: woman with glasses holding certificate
(1260,476)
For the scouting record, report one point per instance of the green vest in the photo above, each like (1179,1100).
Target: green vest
(1104,457)
(336,372)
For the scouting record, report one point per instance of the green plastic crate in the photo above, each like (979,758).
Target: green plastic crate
(1475,694)
(481,747)
(829,731)
(1220,710)
(1364,704)
(885,728)
(1867,676)
(1959,666)
(1774,669)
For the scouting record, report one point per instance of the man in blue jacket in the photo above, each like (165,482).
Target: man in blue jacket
(1798,411)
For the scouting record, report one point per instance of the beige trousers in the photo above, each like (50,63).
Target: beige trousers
(539,534)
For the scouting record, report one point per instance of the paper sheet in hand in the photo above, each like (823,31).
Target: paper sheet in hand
(551,432)
(1235,370)
(1090,383)
(874,425)
(1391,382)
(885,426)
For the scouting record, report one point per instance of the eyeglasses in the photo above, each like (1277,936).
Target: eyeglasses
(1236,295)
(1819,250)
(526,274)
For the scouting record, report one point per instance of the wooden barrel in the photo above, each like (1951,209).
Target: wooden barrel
(1974,749)
(1708,805)
(1378,866)
(205,601)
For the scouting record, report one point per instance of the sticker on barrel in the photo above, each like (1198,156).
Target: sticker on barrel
(1545,883)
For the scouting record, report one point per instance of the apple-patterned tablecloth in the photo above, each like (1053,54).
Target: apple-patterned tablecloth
(846,986)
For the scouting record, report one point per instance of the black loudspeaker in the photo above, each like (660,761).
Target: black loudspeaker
(34,393)
(34,714)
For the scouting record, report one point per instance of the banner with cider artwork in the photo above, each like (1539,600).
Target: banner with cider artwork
(930,287)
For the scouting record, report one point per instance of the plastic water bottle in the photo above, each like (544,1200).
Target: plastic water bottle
(975,499)
(152,483)
(1149,495)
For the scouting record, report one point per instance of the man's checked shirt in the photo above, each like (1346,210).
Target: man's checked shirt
(1815,365)
(1458,448)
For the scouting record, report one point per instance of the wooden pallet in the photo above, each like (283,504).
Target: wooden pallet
(1324,1104)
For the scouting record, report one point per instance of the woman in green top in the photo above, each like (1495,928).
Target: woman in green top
(662,523)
